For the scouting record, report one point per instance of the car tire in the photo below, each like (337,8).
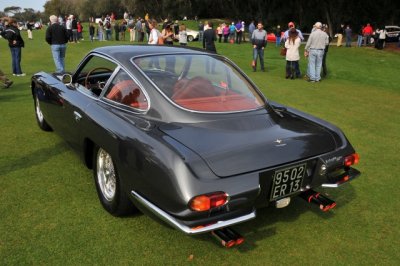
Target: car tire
(39,115)
(108,184)
(190,38)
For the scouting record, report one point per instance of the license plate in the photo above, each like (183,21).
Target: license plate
(287,181)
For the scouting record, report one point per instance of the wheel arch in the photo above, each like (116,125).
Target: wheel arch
(88,150)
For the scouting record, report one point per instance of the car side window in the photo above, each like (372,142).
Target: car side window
(95,73)
(124,90)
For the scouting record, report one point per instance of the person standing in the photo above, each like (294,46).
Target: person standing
(382,34)
(232,30)
(348,32)
(259,42)
(201,31)
(168,35)
(68,25)
(286,33)
(74,26)
(324,67)
(91,31)
(252,28)
(29,27)
(209,38)
(360,36)
(314,50)
(116,30)
(100,31)
(80,30)
(57,37)
(339,35)
(226,33)
(292,45)
(15,42)
(243,30)
(153,40)
(154,33)
(278,34)
(219,32)
(182,35)
(139,28)
(367,32)
(238,27)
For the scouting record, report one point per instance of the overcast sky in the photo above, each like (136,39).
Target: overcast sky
(35,4)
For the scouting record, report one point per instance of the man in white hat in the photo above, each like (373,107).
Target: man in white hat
(314,50)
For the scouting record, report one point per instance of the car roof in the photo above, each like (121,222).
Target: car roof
(126,52)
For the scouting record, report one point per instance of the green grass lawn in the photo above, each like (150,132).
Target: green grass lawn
(50,214)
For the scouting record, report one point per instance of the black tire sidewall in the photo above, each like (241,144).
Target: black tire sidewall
(41,123)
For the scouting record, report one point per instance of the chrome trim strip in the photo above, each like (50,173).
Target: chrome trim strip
(352,174)
(184,228)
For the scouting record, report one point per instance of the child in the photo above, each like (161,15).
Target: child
(182,35)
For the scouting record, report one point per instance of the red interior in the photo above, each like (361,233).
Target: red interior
(128,93)
(199,94)
(222,103)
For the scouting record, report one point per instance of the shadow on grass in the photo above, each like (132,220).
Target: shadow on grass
(11,97)
(35,158)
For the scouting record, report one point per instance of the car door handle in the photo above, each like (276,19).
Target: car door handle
(78,116)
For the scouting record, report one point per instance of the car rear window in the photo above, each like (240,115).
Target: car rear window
(201,83)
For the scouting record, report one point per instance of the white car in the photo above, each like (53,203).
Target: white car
(392,33)
(192,35)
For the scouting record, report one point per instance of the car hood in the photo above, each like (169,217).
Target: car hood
(249,143)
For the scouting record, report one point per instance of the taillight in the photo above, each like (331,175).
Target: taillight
(351,159)
(208,201)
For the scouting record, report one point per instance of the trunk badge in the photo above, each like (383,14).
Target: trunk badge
(279,143)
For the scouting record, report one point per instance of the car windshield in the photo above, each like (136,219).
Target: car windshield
(201,83)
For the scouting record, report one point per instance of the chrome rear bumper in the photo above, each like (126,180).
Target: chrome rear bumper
(184,228)
(343,179)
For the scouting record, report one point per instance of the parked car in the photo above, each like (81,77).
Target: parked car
(192,35)
(393,33)
(186,136)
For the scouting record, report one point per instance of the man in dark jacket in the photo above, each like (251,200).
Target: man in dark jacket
(259,40)
(57,37)
(15,42)
(209,38)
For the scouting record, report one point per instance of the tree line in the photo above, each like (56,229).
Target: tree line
(270,12)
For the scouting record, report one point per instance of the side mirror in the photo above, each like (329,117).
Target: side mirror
(67,79)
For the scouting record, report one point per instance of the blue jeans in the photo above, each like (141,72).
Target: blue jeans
(16,59)
(348,41)
(258,53)
(58,51)
(359,40)
(278,41)
(315,64)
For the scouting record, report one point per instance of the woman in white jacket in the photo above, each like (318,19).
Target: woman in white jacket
(292,45)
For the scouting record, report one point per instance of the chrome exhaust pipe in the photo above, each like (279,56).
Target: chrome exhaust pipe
(324,203)
(228,237)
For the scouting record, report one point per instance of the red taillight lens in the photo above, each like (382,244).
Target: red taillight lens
(351,159)
(208,201)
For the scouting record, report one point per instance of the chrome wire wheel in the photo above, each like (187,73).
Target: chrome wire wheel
(39,113)
(106,176)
